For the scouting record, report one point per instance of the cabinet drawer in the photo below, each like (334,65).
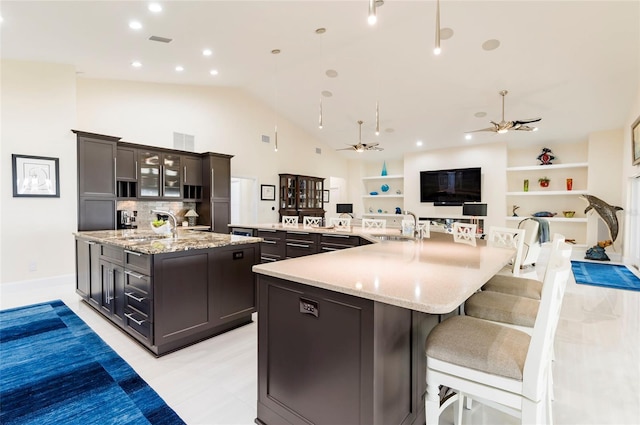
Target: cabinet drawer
(112,254)
(302,236)
(345,241)
(138,301)
(138,282)
(272,247)
(271,234)
(300,249)
(137,261)
(266,258)
(138,324)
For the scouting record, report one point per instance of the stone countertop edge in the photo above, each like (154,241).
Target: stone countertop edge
(147,242)
(352,231)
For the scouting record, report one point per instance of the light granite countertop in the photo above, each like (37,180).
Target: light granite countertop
(432,275)
(368,234)
(147,242)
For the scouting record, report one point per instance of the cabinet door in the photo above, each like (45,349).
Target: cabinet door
(288,191)
(234,285)
(96,167)
(220,216)
(96,214)
(149,172)
(192,170)
(83,268)
(106,292)
(171,176)
(220,177)
(127,164)
(112,295)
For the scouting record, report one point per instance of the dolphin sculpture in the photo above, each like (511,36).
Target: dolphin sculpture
(605,211)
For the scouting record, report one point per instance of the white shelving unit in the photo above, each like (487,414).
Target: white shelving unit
(556,198)
(387,202)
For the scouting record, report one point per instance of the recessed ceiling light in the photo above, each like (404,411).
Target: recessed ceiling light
(136,64)
(179,68)
(213,72)
(207,52)
(155,7)
(331,73)
(326,93)
(480,114)
(419,143)
(491,45)
(135,25)
(468,136)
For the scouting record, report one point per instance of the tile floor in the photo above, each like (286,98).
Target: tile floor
(597,367)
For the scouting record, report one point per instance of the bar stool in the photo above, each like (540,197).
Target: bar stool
(311,221)
(464,233)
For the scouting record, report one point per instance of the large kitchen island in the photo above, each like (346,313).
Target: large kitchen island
(168,292)
(341,334)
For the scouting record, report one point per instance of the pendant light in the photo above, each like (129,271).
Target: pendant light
(275,85)
(377,119)
(372,19)
(320,31)
(437,49)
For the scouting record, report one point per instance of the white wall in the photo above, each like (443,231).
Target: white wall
(632,206)
(492,158)
(38,111)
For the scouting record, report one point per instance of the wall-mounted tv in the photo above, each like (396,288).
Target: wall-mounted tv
(451,187)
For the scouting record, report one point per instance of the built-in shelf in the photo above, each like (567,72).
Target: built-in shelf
(396,176)
(548,193)
(559,219)
(383,196)
(549,167)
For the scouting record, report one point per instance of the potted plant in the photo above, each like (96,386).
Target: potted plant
(544,181)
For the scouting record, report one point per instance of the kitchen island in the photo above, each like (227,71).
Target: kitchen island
(166,292)
(341,334)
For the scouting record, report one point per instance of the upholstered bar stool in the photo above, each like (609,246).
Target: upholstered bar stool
(496,365)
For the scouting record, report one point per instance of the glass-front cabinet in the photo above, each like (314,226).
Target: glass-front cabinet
(301,196)
(159,175)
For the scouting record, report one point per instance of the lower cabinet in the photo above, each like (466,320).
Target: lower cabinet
(168,301)
(300,244)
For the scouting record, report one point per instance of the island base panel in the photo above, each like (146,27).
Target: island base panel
(326,358)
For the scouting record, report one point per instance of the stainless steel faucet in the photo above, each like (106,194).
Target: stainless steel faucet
(415,223)
(174,230)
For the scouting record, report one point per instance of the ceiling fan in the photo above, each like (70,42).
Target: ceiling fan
(361,147)
(504,126)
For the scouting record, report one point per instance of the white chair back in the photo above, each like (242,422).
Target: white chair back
(424,230)
(312,221)
(531,249)
(536,367)
(464,233)
(340,223)
(290,220)
(373,223)
(505,237)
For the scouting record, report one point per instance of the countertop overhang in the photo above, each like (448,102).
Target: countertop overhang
(147,242)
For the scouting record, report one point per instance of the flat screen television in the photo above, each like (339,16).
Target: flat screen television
(451,187)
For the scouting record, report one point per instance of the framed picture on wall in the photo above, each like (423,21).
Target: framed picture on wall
(325,196)
(635,141)
(267,192)
(35,176)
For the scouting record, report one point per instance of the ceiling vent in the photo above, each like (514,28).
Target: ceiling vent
(184,142)
(318,151)
(265,138)
(160,39)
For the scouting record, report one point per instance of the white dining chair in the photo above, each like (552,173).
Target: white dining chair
(290,220)
(496,365)
(373,223)
(464,233)
(509,238)
(340,223)
(311,221)
(424,230)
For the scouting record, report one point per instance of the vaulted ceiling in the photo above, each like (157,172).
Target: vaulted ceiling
(576,64)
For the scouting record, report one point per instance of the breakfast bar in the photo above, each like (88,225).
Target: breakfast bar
(341,334)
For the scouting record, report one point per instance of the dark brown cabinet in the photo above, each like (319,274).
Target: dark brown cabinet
(127,172)
(112,294)
(160,175)
(97,158)
(88,278)
(300,244)
(191,178)
(301,196)
(272,247)
(215,208)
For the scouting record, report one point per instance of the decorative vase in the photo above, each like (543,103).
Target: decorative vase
(569,184)
(384,168)
(544,183)
(526,185)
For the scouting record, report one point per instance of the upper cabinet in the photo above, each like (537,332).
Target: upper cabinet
(160,175)
(301,196)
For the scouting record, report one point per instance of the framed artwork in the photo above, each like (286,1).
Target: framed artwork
(325,196)
(267,192)
(35,176)
(635,141)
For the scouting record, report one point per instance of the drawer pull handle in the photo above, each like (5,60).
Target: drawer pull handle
(137,254)
(134,274)
(267,230)
(298,233)
(324,248)
(299,245)
(335,236)
(90,242)
(130,316)
(267,259)
(269,242)
(130,295)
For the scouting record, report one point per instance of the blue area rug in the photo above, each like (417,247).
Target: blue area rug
(55,370)
(607,275)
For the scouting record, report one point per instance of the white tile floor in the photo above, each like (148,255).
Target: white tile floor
(597,367)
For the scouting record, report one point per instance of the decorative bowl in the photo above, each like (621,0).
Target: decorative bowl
(373,193)
(568,214)
(165,229)
(384,187)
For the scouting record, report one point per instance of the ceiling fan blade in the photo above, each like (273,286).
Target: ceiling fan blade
(525,128)
(527,121)
(375,148)
(491,129)
(352,148)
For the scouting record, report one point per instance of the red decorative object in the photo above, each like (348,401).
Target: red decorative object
(569,184)
(544,183)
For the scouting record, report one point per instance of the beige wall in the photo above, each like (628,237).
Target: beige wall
(38,111)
